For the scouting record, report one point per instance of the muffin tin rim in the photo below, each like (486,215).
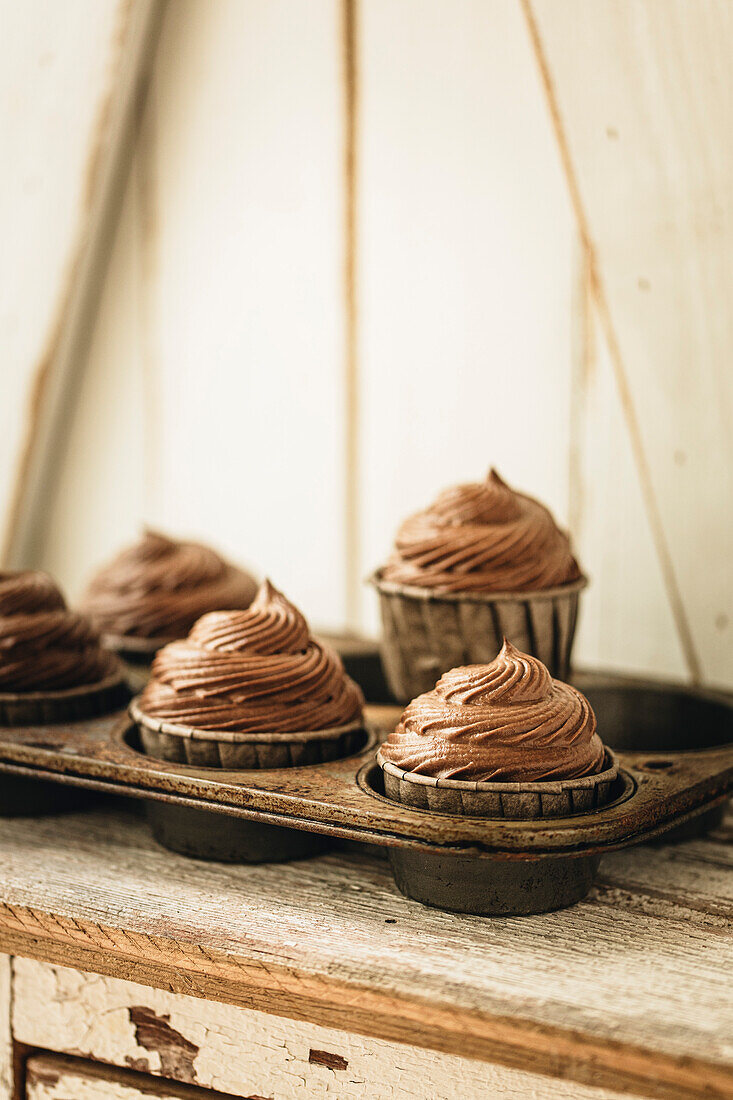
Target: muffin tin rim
(93,754)
(113,766)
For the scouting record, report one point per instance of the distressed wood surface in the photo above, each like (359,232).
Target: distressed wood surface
(629,986)
(242,1052)
(6,1059)
(640,93)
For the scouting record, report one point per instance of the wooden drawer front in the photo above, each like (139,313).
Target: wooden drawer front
(56,1077)
(246,1053)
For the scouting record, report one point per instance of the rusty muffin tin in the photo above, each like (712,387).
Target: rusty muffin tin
(674,748)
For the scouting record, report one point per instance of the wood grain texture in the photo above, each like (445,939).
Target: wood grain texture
(241,1052)
(623,993)
(612,530)
(66,142)
(640,95)
(237,236)
(105,498)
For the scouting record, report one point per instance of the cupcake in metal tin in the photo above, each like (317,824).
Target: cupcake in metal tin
(483,562)
(250,689)
(499,740)
(154,591)
(52,666)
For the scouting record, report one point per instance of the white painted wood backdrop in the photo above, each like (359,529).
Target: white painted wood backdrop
(564,317)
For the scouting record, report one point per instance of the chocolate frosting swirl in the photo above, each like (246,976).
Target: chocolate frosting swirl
(255,671)
(482,537)
(43,645)
(508,720)
(159,587)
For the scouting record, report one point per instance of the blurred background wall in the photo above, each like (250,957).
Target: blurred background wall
(364,249)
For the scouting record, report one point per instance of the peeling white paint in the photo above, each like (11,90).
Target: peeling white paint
(251,1053)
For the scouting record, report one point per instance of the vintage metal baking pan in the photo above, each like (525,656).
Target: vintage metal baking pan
(680,769)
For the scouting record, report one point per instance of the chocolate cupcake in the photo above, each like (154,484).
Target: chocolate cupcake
(483,562)
(499,740)
(52,666)
(153,592)
(250,689)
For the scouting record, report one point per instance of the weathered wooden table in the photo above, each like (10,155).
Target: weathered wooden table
(129,971)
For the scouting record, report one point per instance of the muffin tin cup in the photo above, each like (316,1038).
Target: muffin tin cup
(479,884)
(492,887)
(512,801)
(38,708)
(425,632)
(205,835)
(201,834)
(658,720)
(21,797)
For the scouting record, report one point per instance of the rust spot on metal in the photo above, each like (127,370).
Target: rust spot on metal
(155,1033)
(324,1058)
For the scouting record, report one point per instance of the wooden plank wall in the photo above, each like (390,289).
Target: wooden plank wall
(240,341)
(535,276)
(650,172)
(466,246)
(71,79)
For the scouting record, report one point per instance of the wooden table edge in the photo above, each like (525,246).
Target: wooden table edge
(212,974)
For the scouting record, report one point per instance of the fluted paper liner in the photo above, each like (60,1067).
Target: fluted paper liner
(244,751)
(552,798)
(39,708)
(425,633)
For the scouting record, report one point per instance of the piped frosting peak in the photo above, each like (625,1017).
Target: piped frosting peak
(253,671)
(511,679)
(271,625)
(160,586)
(482,537)
(508,720)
